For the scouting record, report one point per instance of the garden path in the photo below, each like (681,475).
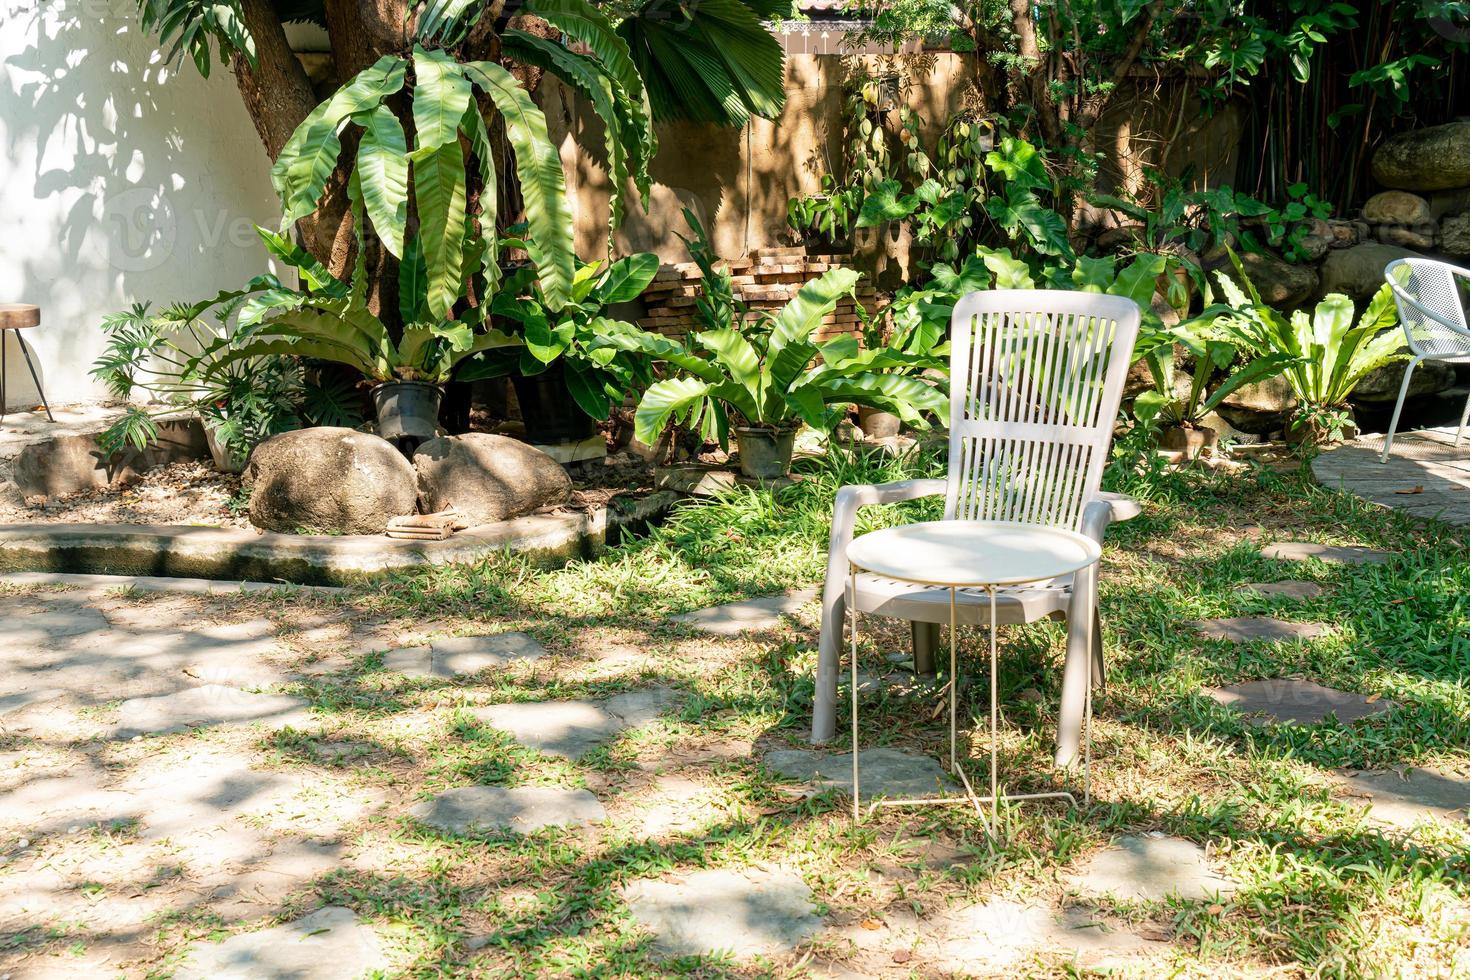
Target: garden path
(1426,474)
(182,792)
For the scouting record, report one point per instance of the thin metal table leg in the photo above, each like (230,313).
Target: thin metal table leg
(852,612)
(34,377)
(994,719)
(4,347)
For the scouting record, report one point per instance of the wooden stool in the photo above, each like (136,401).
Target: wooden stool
(18,317)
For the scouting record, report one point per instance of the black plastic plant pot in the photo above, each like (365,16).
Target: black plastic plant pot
(408,412)
(551,416)
(765,454)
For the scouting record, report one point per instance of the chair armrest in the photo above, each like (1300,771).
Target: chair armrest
(854,497)
(1104,509)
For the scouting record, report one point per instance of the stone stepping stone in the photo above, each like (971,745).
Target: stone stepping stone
(748,912)
(328,944)
(1286,590)
(41,629)
(735,618)
(1151,868)
(1248,629)
(520,809)
(1408,798)
(461,655)
(1295,702)
(886,772)
(1000,933)
(207,706)
(571,729)
(1334,554)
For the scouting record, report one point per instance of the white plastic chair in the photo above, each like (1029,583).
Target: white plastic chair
(1432,312)
(1036,377)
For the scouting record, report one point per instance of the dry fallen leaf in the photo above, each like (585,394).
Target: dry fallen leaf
(1372,697)
(1418,489)
(871,924)
(1215,909)
(902,956)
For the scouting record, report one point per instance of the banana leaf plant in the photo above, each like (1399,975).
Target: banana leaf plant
(601,357)
(769,374)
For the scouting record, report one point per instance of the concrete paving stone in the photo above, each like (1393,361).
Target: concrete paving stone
(1409,797)
(745,912)
(328,944)
(1296,702)
(42,629)
(1284,590)
(520,809)
(1334,554)
(1149,868)
(208,706)
(735,618)
(999,933)
(262,882)
(571,729)
(157,583)
(1248,629)
(462,655)
(886,772)
(50,802)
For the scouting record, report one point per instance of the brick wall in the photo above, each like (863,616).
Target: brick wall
(765,280)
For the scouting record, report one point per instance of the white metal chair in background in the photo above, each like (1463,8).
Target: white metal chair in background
(1036,378)
(1432,312)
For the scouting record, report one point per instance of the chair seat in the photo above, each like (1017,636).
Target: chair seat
(19,316)
(925,604)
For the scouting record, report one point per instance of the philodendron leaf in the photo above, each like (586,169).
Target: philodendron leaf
(382,170)
(883,204)
(439,192)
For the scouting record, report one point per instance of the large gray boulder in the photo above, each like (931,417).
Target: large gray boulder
(488,478)
(1382,384)
(1396,208)
(328,480)
(71,463)
(1454,236)
(1431,159)
(1261,408)
(1357,272)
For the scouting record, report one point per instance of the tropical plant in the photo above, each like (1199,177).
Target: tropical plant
(632,62)
(159,355)
(768,374)
(1329,351)
(1216,374)
(602,357)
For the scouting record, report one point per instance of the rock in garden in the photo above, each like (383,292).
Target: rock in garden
(1280,283)
(488,478)
(1382,384)
(71,463)
(1396,208)
(1260,408)
(1358,271)
(1407,237)
(328,480)
(1454,236)
(1430,159)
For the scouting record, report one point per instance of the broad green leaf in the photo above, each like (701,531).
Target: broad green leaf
(798,318)
(626,279)
(733,352)
(313,273)
(413,282)
(543,185)
(883,204)
(439,193)
(1139,279)
(673,399)
(441,93)
(1093,275)
(382,170)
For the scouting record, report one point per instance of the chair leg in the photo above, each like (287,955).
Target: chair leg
(1081,628)
(1099,665)
(34,377)
(3,370)
(926,639)
(1464,417)
(1398,409)
(829,649)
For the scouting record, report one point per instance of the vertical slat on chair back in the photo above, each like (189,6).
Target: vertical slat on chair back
(1428,296)
(1036,377)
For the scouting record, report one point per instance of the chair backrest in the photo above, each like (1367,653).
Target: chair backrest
(1431,305)
(1036,377)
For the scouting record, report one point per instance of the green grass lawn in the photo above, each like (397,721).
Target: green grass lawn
(1324,892)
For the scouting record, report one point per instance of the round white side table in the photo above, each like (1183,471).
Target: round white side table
(967,555)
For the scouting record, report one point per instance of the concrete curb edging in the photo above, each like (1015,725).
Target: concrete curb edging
(312,559)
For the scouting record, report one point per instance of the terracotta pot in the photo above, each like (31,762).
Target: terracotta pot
(877,424)
(1191,442)
(765,454)
(1301,433)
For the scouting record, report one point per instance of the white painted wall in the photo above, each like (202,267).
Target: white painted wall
(121,179)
